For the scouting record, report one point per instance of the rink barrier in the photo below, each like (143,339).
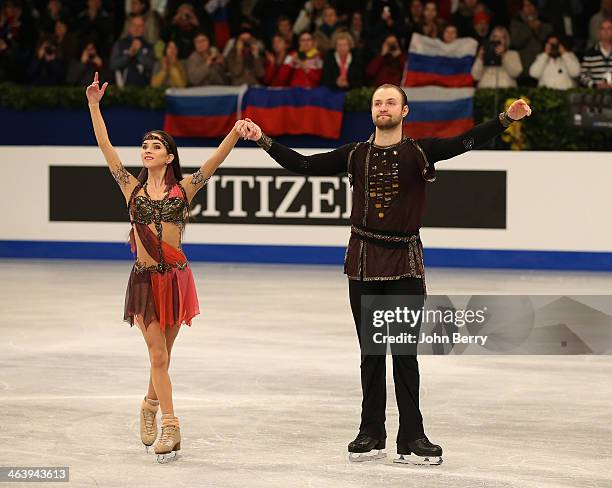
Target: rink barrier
(316,255)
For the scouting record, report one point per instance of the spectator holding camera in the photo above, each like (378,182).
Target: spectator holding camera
(342,67)
(596,69)
(169,71)
(305,66)
(183,29)
(245,60)
(388,66)
(556,67)
(132,57)
(495,65)
(205,65)
(81,71)
(47,68)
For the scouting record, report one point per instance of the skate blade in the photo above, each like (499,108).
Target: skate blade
(363,457)
(418,460)
(167,458)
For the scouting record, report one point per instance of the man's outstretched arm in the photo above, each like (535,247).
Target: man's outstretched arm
(322,164)
(437,149)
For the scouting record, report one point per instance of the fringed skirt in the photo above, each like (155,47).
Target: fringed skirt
(168,297)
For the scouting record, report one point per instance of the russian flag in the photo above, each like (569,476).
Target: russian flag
(206,111)
(217,9)
(434,62)
(438,112)
(314,111)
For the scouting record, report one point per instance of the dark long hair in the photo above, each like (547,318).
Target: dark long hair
(168,141)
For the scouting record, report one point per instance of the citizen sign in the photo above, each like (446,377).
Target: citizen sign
(273,196)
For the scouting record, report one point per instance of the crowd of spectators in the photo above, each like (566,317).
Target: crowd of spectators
(339,44)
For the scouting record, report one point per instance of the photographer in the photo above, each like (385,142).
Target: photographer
(388,66)
(132,57)
(245,60)
(556,67)
(305,66)
(496,66)
(47,68)
(81,71)
(183,29)
(205,65)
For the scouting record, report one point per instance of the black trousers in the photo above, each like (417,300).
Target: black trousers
(373,370)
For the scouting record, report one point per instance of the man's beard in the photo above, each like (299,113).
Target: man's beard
(387,123)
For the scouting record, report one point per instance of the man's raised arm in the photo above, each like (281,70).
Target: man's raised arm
(322,164)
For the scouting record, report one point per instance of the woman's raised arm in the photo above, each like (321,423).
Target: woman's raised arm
(125,180)
(194,182)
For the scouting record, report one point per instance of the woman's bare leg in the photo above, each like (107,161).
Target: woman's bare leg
(171,333)
(158,355)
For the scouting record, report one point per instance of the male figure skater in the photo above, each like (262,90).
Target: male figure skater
(388,174)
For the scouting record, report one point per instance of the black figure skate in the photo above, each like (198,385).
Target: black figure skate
(366,448)
(419,452)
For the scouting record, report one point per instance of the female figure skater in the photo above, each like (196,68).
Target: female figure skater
(161,292)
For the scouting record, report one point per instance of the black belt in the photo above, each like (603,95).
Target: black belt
(391,240)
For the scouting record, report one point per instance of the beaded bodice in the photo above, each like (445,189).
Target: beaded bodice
(149,211)
(147,214)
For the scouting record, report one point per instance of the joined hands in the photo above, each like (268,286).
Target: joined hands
(248,130)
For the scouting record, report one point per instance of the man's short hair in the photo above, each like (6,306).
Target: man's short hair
(391,85)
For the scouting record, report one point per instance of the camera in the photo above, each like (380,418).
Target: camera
(49,49)
(554,50)
(491,58)
(393,47)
